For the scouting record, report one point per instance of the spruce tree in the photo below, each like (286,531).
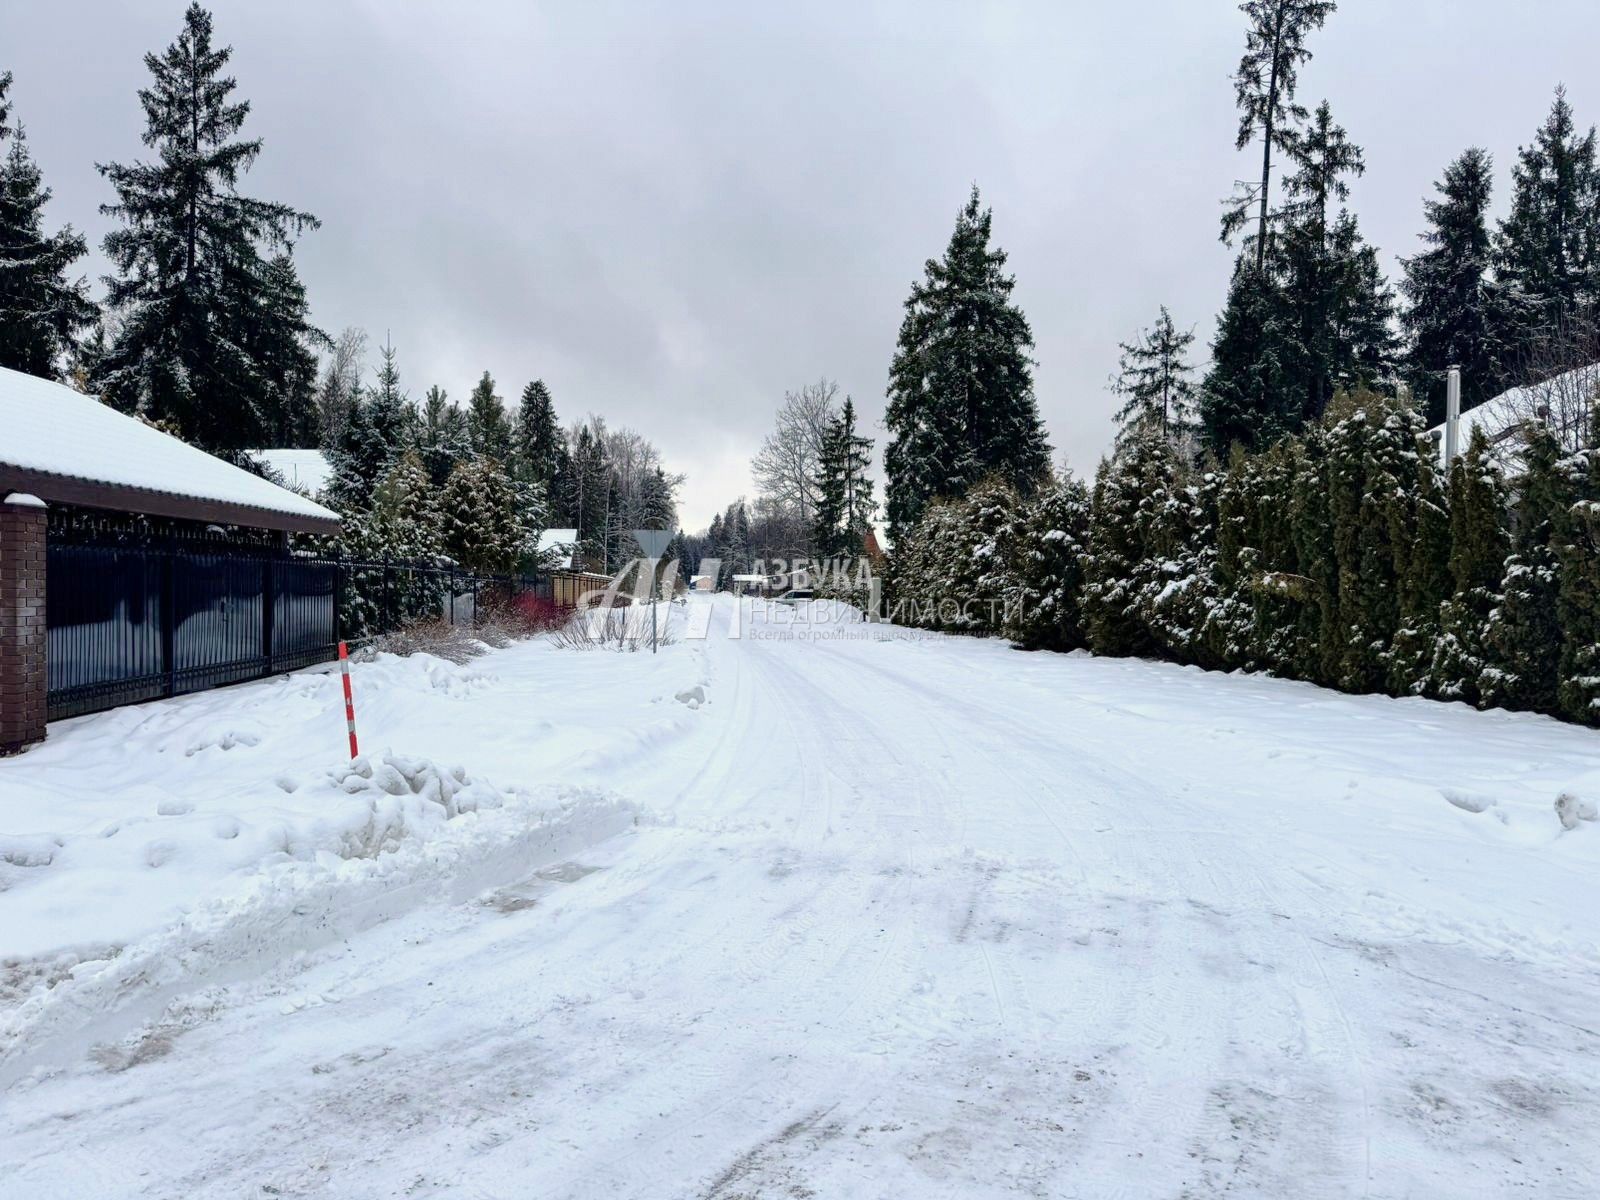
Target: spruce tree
(1153,379)
(538,444)
(442,440)
(1548,250)
(356,461)
(190,271)
(1245,399)
(405,523)
(844,489)
(486,526)
(42,312)
(1453,312)
(280,341)
(390,413)
(1264,87)
(1338,308)
(487,422)
(961,402)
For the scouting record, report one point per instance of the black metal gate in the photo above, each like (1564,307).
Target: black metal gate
(135,622)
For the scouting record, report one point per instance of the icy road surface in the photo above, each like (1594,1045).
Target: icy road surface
(898,917)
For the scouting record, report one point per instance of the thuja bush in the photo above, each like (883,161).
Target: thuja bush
(1345,556)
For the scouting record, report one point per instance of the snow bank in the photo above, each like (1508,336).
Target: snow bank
(393,834)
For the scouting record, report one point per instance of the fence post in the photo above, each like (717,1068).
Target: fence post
(169,618)
(383,612)
(269,604)
(338,596)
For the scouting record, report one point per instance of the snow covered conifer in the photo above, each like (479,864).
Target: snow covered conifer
(1523,632)
(1548,250)
(1153,378)
(1245,400)
(42,312)
(280,339)
(1130,491)
(487,525)
(487,422)
(538,445)
(961,404)
(1576,533)
(188,256)
(442,438)
(844,489)
(405,523)
(1423,553)
(1452,315)
(1478,548)
(356,461)
(1044,545)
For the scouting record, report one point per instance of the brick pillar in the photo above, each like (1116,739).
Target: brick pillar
(22,622)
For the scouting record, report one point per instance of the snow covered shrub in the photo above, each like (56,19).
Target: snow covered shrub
(454,643)
(1577,550)
(1042,548)
(1478,548)
(1523,631)
(949,573)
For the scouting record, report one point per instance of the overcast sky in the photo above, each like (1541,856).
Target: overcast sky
(674,212)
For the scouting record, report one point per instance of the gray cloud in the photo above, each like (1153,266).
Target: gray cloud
(673,212)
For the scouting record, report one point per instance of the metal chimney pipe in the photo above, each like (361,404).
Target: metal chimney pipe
(1452,416)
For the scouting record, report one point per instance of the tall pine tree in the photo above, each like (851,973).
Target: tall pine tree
(1548,250)
(41,310)
(1452,314)
(189,261)
(1264,87)
(961,404)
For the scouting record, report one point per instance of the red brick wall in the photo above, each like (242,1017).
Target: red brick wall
(22,626)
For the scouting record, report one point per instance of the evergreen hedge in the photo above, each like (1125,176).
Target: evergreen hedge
(1344,556)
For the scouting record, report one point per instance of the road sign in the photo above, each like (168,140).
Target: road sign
(653,544)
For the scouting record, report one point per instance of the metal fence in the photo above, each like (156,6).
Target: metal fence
(132,622)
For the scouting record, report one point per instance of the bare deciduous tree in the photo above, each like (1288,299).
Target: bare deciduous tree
(785,468)
(341,382)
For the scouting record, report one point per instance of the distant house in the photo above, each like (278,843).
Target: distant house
(133,565)
(703,583)
(749,584)
(1563,403)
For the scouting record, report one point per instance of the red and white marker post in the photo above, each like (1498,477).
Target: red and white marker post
(349,702)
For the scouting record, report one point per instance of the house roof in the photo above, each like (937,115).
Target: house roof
(559,546)
(305,470)
(1564,397)
(63,446)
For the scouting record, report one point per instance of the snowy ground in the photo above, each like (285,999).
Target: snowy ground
(861,914)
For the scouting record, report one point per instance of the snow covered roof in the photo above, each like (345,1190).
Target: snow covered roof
(751,578)
(69,448)
(1564,400)
(304,469)
(559,546)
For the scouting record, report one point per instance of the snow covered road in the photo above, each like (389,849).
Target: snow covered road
(905,916)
